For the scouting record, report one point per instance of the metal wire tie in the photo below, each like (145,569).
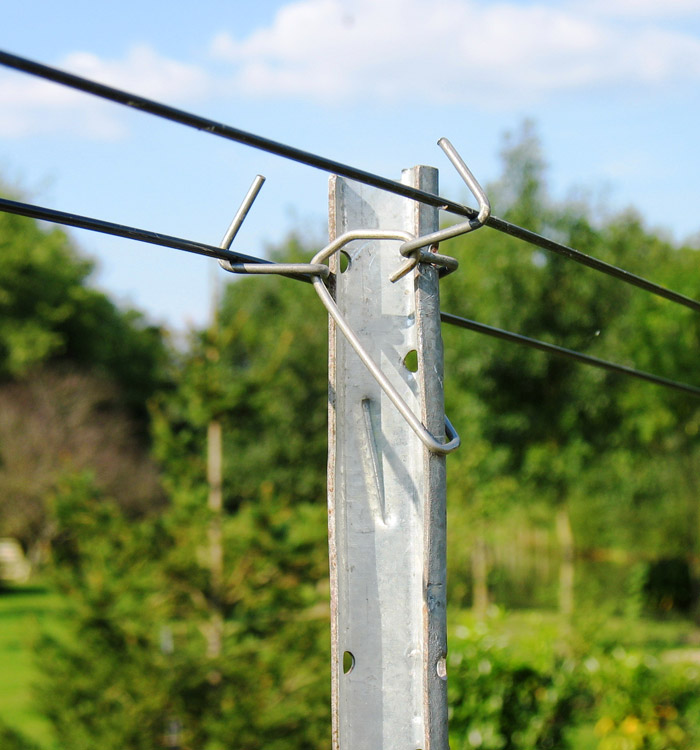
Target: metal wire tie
(414,247)
(318,270)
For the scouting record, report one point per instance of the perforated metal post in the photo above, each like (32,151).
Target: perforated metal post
(386,489)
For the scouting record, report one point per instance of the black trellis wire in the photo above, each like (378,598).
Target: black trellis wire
(328,165)
(122,230)
(304,157)
(560,351)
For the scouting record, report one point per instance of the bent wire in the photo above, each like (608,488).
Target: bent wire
(283,269)
(239,218)
(428,440)
(473,184)
(318,269)
(413,247)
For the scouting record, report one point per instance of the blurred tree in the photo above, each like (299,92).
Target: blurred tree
(75,376)
(50,314)
(260,374)
(10,739)
(131,665)
(61,421)
(263,374)
(548,424)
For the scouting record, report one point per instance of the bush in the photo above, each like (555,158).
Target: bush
(504,697)
(12,740)
(499,700)
(132,667)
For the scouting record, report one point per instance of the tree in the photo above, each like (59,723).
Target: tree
(76,373)
(58,422)
(548,423)
(131,665)
(261,374)
(50,314)
(12,740)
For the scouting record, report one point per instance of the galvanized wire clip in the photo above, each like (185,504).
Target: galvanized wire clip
(318,270)
(414,249)
(429,441)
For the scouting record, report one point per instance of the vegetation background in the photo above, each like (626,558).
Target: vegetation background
(574,524)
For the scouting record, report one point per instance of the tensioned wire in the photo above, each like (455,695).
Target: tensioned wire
(122,230)
(328,165)
(288,152)
(560,351)
(177,243)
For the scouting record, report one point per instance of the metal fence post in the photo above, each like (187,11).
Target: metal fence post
(386,490)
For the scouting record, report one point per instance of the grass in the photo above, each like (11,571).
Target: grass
(23,610)
(526,629)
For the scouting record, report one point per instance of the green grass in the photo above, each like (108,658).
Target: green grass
(525,630)
(23,610)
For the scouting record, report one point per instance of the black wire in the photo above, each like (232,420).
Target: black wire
(122,230)
(560,351)
(132,233)
(588,260)
(226,131)
(164,240)
(304,157)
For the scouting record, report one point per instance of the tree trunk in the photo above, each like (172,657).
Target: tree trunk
(565,537)
(216,550)
(480,573)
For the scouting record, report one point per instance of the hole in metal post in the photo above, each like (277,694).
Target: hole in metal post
(442,668)
(410,361)
(348,662)
(343,261)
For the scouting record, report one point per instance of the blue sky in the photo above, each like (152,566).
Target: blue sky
(612,85)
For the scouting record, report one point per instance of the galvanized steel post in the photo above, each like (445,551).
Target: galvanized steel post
(386,490)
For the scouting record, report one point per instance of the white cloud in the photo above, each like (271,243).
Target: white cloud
(643,9)
(142,72)
(490,53)
(30,105)
(501,54)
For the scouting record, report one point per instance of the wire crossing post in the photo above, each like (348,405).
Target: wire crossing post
(386,490)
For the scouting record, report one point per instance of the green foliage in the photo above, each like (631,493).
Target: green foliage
(132,664)
(503,695)
(619,455)
(640,702)
(49,313)
(146,603)
(12,740)
(499,701)
(262,372)
(40,277)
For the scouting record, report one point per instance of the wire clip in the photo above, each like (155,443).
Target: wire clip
(318,270)
(415,247)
